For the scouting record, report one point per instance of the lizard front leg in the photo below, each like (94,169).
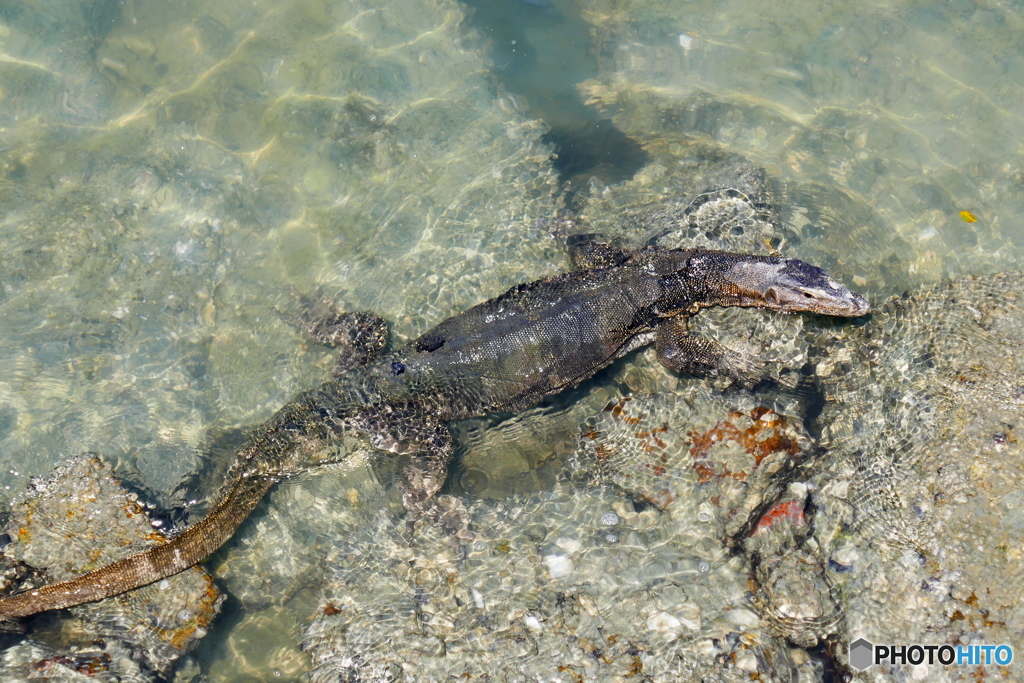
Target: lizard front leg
(360,336)
(678,350)
(590,250)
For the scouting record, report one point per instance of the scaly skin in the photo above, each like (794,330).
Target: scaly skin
(503,355)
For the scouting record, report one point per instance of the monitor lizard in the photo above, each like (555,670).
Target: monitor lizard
(501,356)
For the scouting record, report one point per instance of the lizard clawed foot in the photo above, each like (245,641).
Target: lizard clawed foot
(682,352)
(360,336)
(593,251)
(745,368)
(424,472)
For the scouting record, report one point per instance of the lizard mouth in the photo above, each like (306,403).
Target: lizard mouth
(847,304)
(859,305)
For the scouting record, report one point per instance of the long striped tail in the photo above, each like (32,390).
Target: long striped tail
(188,548)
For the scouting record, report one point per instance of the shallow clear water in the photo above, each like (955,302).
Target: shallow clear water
(173,175)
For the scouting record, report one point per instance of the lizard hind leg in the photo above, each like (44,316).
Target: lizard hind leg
(682,352)
(425,470)
(423,441)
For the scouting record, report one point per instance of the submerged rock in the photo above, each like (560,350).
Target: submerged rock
(104,662)
(917,503)
(794,593)
(539,587)
(80,519)
(710,459)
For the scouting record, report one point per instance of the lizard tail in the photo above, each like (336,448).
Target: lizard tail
(186,549)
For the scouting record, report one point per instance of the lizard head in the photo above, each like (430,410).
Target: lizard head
(791,286)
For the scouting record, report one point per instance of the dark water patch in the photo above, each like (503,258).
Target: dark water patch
(88,20)
(825,657)
(594,149)
(8,419)
(540,51)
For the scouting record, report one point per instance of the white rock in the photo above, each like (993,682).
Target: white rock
(665,624)
(558,565)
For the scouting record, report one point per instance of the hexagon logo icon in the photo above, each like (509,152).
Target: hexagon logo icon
(861,654)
